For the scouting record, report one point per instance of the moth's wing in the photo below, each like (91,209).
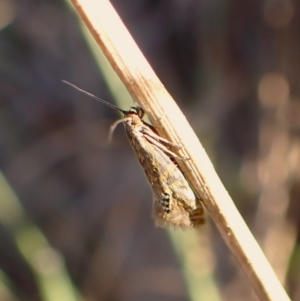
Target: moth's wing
(170,173)
(183,192)
(170,180)
(164,219)
(179,215)
(177,183)
(167,180)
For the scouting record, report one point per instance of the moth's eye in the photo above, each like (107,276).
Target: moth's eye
(134,110)
(140,112)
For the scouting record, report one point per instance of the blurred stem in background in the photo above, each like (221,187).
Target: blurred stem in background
(197,263)
(47,264)
(272,226)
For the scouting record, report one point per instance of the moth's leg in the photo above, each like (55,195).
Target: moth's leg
(155,136)
(113,127)
(163,148)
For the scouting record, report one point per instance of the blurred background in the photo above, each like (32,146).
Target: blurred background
(75,212)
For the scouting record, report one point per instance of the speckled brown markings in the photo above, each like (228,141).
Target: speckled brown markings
(174,202)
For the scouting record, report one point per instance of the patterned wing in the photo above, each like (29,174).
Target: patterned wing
(174,202)
(179,215)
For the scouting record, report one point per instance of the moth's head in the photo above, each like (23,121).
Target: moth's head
(136,111)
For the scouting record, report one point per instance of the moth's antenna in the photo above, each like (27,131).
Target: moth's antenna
(94,96)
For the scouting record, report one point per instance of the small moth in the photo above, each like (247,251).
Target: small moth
(174,202)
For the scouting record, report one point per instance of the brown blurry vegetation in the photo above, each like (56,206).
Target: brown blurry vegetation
(233,68)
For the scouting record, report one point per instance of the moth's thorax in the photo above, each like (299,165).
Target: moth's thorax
(133,119)
(134,115)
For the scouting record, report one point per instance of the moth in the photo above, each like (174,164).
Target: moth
(174,201)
